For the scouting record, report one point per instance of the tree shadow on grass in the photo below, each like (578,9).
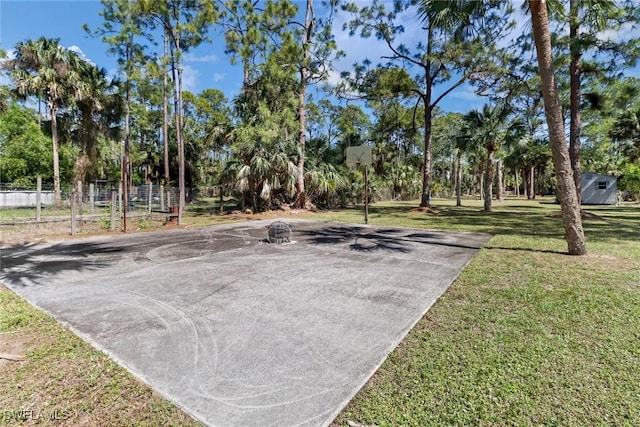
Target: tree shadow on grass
(33,264)
(389,239)
(523,249)
(521,220)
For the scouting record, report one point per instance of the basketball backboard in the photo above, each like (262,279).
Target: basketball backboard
(359,155)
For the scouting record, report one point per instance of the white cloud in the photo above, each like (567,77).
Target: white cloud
(189,57)
(190,78)
(334,78)
(625,33)
(75,49)
(4,78)
(218,77)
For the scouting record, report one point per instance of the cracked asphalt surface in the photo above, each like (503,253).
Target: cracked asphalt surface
(238,331)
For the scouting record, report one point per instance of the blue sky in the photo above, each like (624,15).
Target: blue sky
(63,19)
(205,67)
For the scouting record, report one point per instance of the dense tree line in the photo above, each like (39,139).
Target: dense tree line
(275,143)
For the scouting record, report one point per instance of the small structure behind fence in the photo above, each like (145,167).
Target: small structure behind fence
(24,198)
(98,205)
(599,189)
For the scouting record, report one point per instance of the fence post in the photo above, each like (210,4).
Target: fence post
(114,198)
(92,198)
(163,207)
(73,212)
(39,198)
(221,200)
(120,198)
(79,195)
(150,197)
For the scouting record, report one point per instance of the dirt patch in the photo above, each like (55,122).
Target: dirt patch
(425,209)
(55,231)
(13,346)
(32,232)
(584,214)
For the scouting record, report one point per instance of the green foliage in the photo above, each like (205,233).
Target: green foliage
(24,150)
(627,132)
(630,180)
(459,45)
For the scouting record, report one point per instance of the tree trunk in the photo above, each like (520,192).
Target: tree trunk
(454,173)
(309,26)
(517,181)
(177,100)
(127,136)
(574,234)
(488,178)
(426,166)
(459,179)
(575,95)
(165,113)
(181,160)
(57,197)
(480,180)
(300,190)
(499,184)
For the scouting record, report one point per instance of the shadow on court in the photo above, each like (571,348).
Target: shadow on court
(238,331)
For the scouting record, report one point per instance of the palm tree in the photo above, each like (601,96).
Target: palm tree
(454,19)
(5,98)
(593,16)
(626,133)
(44,68)
(487,127)
(98,106)
(261,173)
(574,234)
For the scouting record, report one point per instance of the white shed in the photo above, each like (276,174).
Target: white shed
(599,189)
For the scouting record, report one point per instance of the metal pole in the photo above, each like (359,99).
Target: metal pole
(150,197)
(366,194)
(39,198)
(92,198)
(79,192)
(114,196)
(125,193)
(73,212)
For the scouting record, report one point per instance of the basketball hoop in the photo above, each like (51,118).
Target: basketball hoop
(278,233)
(359,155)
(362,155)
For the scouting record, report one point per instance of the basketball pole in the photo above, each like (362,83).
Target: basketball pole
(366,194)
(361,156)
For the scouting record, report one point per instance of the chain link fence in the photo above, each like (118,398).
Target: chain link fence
(27,213)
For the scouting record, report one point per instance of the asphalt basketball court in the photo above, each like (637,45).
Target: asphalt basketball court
(239,331)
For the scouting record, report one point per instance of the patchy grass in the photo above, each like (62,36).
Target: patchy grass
(66,382)
(526,336)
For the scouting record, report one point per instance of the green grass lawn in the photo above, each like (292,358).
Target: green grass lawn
(526,335)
